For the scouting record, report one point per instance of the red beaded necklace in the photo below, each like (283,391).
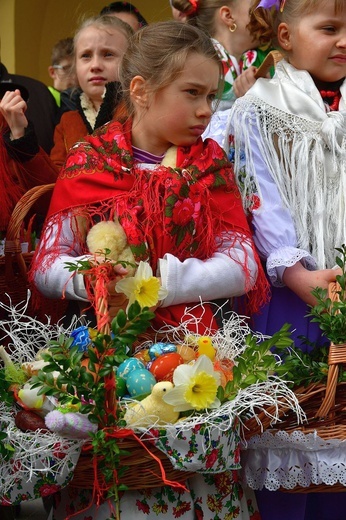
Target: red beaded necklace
(331,95)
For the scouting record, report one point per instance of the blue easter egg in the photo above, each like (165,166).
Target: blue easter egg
(160,348)
(140,382)
(128,366)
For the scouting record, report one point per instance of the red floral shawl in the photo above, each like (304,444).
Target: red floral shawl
(186,211)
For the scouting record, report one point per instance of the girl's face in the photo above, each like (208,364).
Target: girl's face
(179,113)
(98,56)
(317,43)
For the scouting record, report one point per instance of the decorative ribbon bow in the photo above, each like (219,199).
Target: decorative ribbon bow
(267,4)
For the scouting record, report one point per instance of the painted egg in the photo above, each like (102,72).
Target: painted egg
(163,367)
(158,349)
(120,386)
(140,382)
(187,353)
(225,367)
(128,366)
(142,355)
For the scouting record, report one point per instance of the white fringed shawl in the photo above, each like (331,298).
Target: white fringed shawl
(304,149)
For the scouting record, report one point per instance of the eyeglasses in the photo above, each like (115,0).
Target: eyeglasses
(63,69)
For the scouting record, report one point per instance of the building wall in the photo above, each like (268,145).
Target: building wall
(29,28)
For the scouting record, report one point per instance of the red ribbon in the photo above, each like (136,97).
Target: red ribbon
(193,9)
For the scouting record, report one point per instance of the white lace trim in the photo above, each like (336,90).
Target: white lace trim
(275,460)
(89,110)
(287,257)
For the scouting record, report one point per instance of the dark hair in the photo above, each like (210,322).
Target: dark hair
(158,53)
(124,7)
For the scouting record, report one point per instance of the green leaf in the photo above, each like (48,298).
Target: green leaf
(121,318)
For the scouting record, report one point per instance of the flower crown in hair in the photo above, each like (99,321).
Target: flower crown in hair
(267,4)
(193,9)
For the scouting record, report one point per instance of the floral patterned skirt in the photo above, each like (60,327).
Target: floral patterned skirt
(211,497)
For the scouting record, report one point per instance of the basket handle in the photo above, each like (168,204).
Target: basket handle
(271,60)
(336,357)
(12,243)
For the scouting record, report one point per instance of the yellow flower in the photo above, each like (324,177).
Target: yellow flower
(195,386)
(143,287)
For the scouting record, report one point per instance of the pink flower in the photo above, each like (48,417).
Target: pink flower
(183,212)
(73,159)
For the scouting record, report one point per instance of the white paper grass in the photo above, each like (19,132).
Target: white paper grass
(35,453)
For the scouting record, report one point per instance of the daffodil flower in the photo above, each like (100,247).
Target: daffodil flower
(143,287)
(195,386)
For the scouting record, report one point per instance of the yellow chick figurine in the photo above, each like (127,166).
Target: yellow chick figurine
(152,410)
(205,346)
(110,235)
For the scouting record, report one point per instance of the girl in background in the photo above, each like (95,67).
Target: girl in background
(99,45)
(290,145)
(226,23)
(176,198)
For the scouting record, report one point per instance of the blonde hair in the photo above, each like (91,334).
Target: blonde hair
(270,19)
(104,22)
(158,53)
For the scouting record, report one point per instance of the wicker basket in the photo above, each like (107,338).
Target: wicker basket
(142,463)
(14,263)
(323,403)
(143,470)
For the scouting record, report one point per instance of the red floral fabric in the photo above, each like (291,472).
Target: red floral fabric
(188,211)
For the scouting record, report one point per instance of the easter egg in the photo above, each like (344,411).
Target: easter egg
(142,355)
(158,349)
(187,353)
(128,366)
(140,382)
(120,386)
(163,367)
(225,367)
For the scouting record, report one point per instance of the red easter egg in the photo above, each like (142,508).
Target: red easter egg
(163,367)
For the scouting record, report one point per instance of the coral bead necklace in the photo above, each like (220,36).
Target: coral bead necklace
(332,98)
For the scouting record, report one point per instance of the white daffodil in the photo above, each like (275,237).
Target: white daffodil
(195,386)
(143,287)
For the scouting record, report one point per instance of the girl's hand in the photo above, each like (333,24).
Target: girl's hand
(302,281)
(244,82)
(13,108)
